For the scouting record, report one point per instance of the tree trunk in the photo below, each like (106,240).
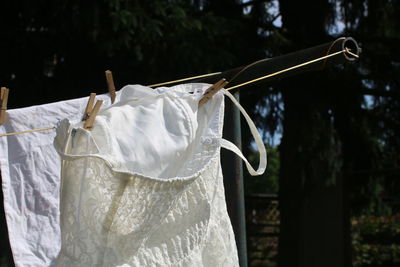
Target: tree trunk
(311,188)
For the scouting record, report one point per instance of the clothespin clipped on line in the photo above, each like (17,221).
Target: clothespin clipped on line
(91,112)
(212,90)
(3,101)
(110,85)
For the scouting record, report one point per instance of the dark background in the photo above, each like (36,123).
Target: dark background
(333,136)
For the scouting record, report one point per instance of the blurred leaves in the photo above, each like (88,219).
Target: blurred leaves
(141,41)
(268,183)
(376,241)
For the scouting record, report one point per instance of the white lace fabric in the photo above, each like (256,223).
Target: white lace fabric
(145,187)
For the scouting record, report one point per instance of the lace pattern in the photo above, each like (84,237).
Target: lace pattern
(111,216)
(122,219)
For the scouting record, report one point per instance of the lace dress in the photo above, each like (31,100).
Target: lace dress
(144,187)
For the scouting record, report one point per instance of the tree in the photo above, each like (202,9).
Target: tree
(329,135)
(338,150)
(57,51)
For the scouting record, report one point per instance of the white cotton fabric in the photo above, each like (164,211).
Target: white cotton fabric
(144,187)
(30,172)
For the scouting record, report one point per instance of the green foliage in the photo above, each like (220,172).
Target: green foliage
(376,25)
(376,241)
(62,49)
(268,183)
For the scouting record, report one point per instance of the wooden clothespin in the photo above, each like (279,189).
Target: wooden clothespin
(110,85)
(3,101)
(91,112)
(212,90)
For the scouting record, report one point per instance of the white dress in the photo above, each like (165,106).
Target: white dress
(145,187)
(30,180)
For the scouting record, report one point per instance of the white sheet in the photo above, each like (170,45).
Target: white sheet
(30,170)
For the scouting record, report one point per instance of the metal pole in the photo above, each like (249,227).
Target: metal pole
(285,61)
(232,169)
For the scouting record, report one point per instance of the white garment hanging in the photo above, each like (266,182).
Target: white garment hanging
(145,187)
(30,172)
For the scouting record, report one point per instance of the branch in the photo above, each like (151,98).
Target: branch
(250,3)
(376,171)
(383,93)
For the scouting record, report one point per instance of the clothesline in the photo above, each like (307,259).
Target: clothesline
(260,78)
(346,50)
(29,131)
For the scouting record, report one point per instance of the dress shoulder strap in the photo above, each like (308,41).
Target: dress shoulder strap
(259,142)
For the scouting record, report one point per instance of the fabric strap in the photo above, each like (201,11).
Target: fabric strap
(260,144)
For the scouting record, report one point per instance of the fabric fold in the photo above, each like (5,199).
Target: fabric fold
(153,192)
